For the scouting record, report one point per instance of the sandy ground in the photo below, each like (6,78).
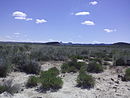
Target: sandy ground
(108,85)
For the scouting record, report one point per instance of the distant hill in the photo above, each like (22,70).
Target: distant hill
(52,43)
(68,44)
(121,43)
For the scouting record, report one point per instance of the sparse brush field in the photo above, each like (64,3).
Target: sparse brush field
(59,71)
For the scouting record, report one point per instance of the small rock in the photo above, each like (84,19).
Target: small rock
(128,88)
(117,82)
(98,89)
(120,76)
(114,87)
(99,78)
(112,79)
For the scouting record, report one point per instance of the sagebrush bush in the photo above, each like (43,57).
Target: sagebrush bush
(32,81)
(9,87)
(94,67)
(24,64)
(19,59)
(31,67)
(5,67)
(85,81)
(120,62)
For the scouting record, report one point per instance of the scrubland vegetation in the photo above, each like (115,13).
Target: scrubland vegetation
(27,58)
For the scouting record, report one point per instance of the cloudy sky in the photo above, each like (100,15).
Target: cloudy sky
(78,21)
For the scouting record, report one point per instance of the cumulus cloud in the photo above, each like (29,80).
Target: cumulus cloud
(93,3)
(38,21)
(110,30)
(21,16)
(82,13)
(88,23)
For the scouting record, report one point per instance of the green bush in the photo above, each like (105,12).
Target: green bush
(72,66)
(51,72)
(83,69)
(54,71)
(94,67)
(120,62)
(127,75)
(49,80)
(51,83)
(85,81)
(32,81)
(2,89)
(9,87)
(64,68)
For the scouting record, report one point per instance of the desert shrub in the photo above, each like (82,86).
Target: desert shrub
(127,75)
(97,60)
(54,71)
(72,66)
(2,89)
(120,62)
(79,57)
(9,87)
(51,83)
(19,59)
(31,67)
(107,58)
(49,80)
(85,81)
(100,54)
(64,68)
(83,69)
(23,64)
(50,72)
(32,81)
(5,67)
(94,67)
(106,63)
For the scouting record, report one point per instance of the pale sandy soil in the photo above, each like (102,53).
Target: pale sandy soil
(108,85)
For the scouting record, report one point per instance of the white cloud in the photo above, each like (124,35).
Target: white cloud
(19,15)
(82,13)
(38,21)
(93,3)
(88,23)
(110,30)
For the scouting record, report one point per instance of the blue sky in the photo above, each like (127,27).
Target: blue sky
(78,21)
